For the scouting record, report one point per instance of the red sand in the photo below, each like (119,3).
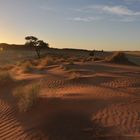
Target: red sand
(86,101)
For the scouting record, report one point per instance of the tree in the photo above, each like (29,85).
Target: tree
(43,44)
(37,44)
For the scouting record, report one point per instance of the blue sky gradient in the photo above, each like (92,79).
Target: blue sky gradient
(87,24)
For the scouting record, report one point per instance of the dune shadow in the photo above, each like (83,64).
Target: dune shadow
(68,119)
(68,125)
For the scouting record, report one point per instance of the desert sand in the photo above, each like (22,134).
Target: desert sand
(78,100)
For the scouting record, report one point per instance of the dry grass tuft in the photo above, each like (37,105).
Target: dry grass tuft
(27,96)
(119,57)
(27,67)
(47,61)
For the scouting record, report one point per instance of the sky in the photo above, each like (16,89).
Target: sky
(83,24)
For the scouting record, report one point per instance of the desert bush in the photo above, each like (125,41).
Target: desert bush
(27,96)
(118,57)
(47,61)
(27,66)
(92,53)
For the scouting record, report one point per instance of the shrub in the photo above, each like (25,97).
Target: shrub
(47,61)
(118,57)
(92,53)
(27,67)
(27,96)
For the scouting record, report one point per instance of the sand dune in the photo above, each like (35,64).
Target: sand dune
(122,119)
(11,128)
(78,101)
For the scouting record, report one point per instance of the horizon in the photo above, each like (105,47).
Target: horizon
(79,48)
(104,24)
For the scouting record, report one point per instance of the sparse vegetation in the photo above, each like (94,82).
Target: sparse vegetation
(47,61)
(91,59)
(27,96)
(27,67)
(92,53)
(118,57)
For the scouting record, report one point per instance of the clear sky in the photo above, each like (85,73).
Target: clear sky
(87,24)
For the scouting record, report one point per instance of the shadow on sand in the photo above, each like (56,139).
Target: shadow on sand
(70,119)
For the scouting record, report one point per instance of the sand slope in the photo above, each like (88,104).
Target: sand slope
(81,101)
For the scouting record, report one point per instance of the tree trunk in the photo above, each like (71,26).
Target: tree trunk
(38,52)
